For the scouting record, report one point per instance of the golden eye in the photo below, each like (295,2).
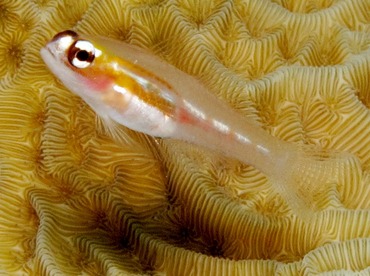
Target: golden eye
(81,54)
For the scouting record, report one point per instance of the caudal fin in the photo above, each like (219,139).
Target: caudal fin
(308,179)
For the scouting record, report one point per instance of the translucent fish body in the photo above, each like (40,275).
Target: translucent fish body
(139,90)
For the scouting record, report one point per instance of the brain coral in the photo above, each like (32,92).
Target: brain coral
(75,202)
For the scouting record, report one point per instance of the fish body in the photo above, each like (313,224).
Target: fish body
(141,91)
(137,89)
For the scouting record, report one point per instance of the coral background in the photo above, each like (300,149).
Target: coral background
(75,202)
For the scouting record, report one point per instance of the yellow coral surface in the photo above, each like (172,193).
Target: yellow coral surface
(75,202)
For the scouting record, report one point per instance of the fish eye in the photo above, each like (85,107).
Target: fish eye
(81,54)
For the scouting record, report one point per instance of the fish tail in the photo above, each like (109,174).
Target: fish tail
(308,180)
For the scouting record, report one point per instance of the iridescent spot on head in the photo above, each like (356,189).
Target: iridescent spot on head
(67,35)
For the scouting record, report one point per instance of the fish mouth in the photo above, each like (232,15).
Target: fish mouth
(46,53)
(48,50)
(59,43)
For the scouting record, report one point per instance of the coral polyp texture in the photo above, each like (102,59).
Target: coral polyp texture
(74,201)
